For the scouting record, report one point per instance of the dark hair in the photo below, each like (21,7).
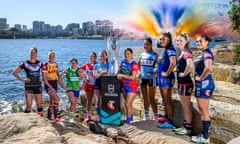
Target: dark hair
(206,38)
(105,52)
(169,36)
(185,36)
(149,40)
(128,49)
(73,59)
(93,53)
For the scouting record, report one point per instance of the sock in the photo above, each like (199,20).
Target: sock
(132,117)
(89,113)
(146,113)
(71,115)
(155,115)
(129,119)
(206,125)
(55,110)
(188,126)
(49,116)
(40,111)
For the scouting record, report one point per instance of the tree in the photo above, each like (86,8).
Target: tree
(234,14)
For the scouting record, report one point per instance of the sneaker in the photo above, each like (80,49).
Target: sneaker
(71,118)
(161,119)
(145,118)
(181,131)
(58,120)
(200,139)
(167,124)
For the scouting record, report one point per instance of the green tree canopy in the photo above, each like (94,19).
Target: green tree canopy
(234,14)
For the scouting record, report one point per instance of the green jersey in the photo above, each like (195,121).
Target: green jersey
(72,78)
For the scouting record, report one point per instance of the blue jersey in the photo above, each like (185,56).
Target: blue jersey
(147,62)
(199,62)
(99,68)
(164,61)
(102,67)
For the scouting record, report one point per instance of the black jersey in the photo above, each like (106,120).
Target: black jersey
(181,66)
(33,72)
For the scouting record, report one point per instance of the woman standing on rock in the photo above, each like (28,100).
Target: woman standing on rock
(72,86)
(128,72)
(147,62)
(32,82)
(204,86)
(185,83)
(166,64)
(86,73)
(100,69)
(50,77)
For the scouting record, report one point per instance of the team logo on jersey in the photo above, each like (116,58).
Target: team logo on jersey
(207,93)
(110,105)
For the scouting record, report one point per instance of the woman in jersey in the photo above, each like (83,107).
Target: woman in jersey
(32,82)
(146,63)
(72,86)
(86,73)
(50,77)
(99,70)
(204,86)
(128,71)
(185,83)
(166,78)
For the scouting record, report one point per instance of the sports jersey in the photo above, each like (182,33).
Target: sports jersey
(199,62)
(99,68)
(127,68)
(72,78)
(51,70)
(181,66)
(33,72)
(148,61)
(88,67)
(164,60)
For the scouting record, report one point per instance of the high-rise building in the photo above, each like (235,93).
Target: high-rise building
(24,28)
(3,23)
(18,27)
(70,28)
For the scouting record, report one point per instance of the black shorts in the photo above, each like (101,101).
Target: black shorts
(185,89)
(148,82)
(53,83)
(34,90)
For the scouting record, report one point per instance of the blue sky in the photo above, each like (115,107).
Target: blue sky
(60,11)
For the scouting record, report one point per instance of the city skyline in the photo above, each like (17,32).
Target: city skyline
(61,12)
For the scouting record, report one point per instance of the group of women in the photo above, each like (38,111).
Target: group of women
(153,69)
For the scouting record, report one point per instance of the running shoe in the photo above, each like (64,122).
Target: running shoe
(145,118)
(182,131)
(161,119)
(200,139)
(58,120)
(166,124)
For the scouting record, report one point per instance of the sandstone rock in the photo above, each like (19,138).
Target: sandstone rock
(234,141)
(227,73)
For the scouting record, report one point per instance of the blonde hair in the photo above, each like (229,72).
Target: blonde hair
(51,52)
(33,48)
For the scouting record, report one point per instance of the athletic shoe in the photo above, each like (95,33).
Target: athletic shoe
(200,139)
(161,119)
(182,131)
(167,124)
(145,118)
(58,120)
